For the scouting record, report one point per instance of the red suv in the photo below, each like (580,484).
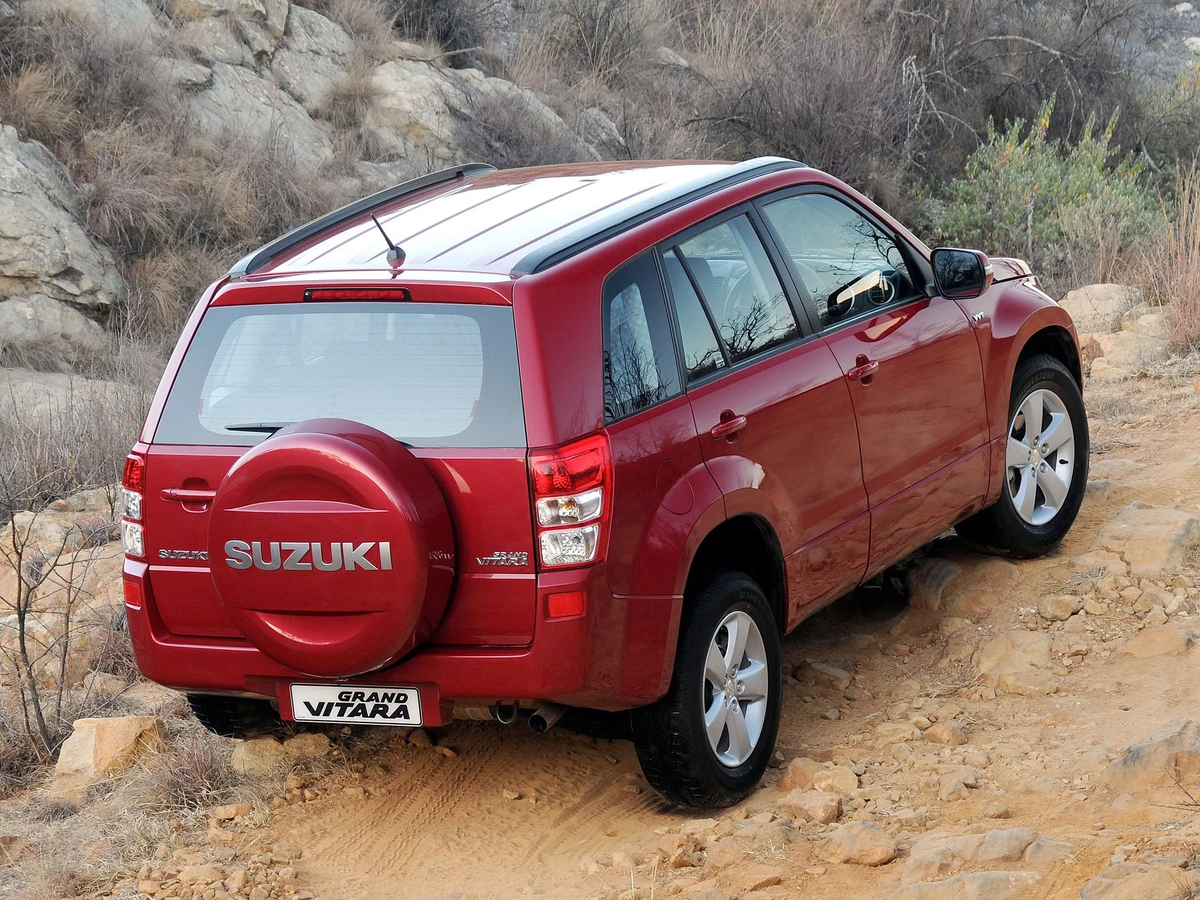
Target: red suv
(583,437)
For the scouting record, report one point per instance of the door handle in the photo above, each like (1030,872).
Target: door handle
(183,495)
(731,423)
(864,369)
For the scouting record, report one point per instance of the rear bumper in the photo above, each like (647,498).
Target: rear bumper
(618,655)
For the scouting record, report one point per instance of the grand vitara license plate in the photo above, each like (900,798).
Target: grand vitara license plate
(356,704)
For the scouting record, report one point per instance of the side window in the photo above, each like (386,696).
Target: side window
(639,356)
(701,352)
(847,264)
(740,287)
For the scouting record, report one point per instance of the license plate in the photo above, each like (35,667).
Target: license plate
(356,704)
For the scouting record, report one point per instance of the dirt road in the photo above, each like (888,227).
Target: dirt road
(511,814)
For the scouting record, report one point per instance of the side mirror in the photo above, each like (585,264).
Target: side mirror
(961,274)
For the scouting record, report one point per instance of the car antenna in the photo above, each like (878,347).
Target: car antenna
(395,255)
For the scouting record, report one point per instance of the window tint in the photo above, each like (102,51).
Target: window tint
(639,355)
(740,287)
(847,265)
(429,374)
(701,352)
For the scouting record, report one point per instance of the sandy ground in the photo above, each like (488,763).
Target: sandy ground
(416,823)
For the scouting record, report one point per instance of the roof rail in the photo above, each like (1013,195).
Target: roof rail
(594,233)
(255,260)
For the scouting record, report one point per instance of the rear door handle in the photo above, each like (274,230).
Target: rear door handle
(864,369)
(183,495)
(731,423)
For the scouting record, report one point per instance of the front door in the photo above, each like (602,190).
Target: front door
(911,363)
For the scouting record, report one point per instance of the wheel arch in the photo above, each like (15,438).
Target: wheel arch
(1055,341)
(746,543)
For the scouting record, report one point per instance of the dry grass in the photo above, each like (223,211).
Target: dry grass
(353,97)
(1173,268)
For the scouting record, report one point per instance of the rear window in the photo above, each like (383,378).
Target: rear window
(429,374)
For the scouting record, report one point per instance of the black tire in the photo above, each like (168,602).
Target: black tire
(999,529)
(236,717)
(669,735)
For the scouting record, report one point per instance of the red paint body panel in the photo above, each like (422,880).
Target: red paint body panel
(849,475)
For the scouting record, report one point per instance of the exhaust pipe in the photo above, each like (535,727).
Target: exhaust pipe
(545,717)
(505,715)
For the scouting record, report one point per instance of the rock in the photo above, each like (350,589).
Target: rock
(231,811)
(306,746)
(1008,845)
(698,826)
(895,732)
(799,774)
(1147,320)
(740,880)
(315,55)
(951,787)
(975,886)
(1099,307)
(945,733)
(859,843)
(837,780)
(1165,640)
(1142,883)
(813,806)
(928,581)
(1156,616)
(54,279)
(241,102)
(597,129)
(823,673)
(201,875)
(181,73)
(102,684)
(1059,607)
(100,747)
(264,755)
(994,810)
(212,41)
(130,18)
(1149,539)
(1011,662)
(1192,43)
(1165,758)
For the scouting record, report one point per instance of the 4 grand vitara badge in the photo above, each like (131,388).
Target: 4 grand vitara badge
(304,556)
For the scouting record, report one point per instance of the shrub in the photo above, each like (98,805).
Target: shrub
(453,24)
(1173,266)
(1077,211)
(507,129)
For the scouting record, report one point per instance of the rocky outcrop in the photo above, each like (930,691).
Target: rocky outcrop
(55,281)
(314,56)
(1167,757)
(1145,540)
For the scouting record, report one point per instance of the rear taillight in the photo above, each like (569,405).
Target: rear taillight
(569,484)
(133,491)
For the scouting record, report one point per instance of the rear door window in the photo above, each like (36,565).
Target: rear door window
(730,267)
(430,374)
(701,352)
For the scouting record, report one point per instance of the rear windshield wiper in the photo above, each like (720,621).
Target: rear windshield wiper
(264,427)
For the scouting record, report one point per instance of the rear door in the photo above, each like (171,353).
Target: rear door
(442,378)
(772,408)
(911,363)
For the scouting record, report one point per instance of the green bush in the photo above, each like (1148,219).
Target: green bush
(1078,212)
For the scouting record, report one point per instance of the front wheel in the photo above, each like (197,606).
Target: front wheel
(1045,464)
(708,741)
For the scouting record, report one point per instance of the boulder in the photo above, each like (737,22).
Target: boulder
(1168,756)
(1011,663)
(895,732)
(130,18)
(597,129)
(314,55)
(1165,640)
(1059,607)
(411,116)
(54,279)
(859,843)
(1099,307)
(98,748)
(266,755)
(212,41)
(240,102)
(837,780)
(799,774)
(1149,539)
(1142,883)
(812,806)
(976,886)
(945,733)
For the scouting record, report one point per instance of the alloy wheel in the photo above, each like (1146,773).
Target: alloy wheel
(736,686)
(1040,457)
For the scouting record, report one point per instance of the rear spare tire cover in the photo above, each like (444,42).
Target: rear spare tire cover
(331,548)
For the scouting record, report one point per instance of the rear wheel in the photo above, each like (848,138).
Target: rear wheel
(1045,468)
(237,717)
(708,741)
